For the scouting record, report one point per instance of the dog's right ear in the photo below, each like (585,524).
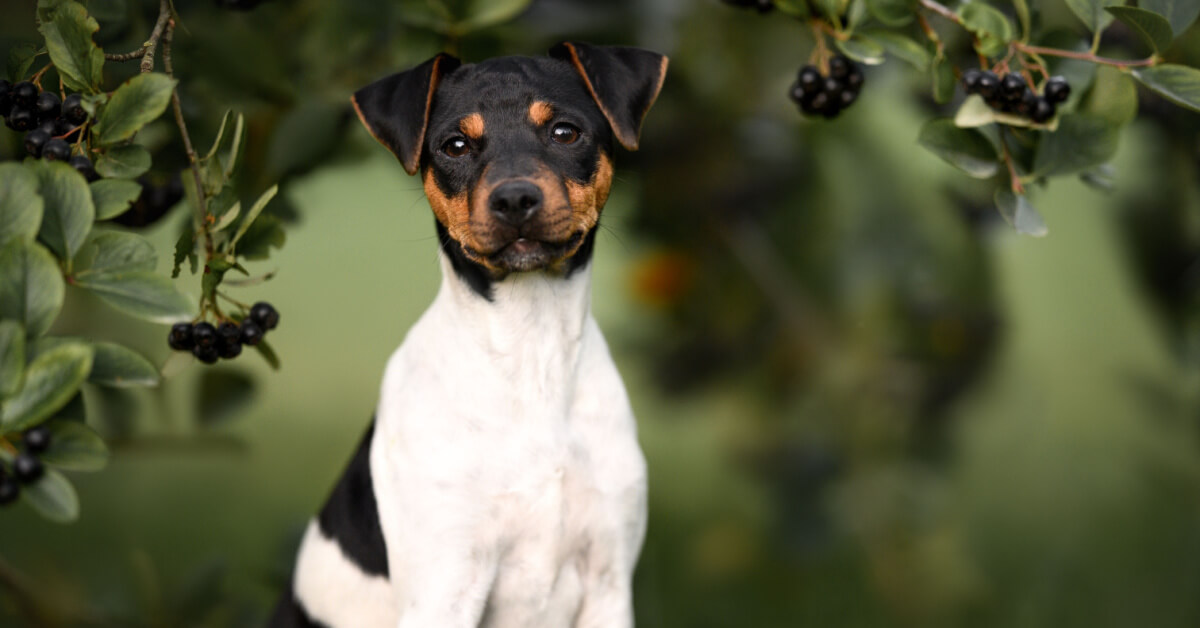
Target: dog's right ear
(395,109)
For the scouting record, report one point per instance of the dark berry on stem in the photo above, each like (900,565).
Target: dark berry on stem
(27,467)
(854,80)
(36,439)
(839,67)
(84,166)
(49,126)
(847,98)
(252,334)
(21,119)
(988,85)
(1012,86)
(35,140)
(229,349)
(73,111)
(970,80)
(1043,111)
(809,77)
(5,96)
(265,315)
(228,334)
(48,106)
(1029,100)
(204,335)
(24,94)
(9,489)
(1057,90)
(797,93)
(180,337)
(56,150)
(765,6)
(207,354)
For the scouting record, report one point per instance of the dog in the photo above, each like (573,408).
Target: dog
(501,483)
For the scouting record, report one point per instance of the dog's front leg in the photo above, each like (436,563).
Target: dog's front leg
(450,592)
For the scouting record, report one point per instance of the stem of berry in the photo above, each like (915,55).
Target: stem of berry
(1085,56)
(193,161)
(36,79)
(942,10)
(1014,179)
(821,50)
(164,15)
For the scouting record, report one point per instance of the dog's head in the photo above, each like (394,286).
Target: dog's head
(516,152)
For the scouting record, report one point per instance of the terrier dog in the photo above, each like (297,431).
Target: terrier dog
(501,483)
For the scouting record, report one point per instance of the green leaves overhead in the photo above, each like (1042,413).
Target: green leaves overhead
(123,162)
(1113,97)
(1092,12)
(74,447)
(143,294)
(965,149)
(1151,27)
(1177,83)
(990,27)
(116,366)
(51,379)
(68,33)
(112,197)
(891,12)
(53,497)
(20,203)
(1081,141)
(20,57)
(943,79)
(1179,13)
(31,287)
(118,252)
(68,212)
(902,47)
(12,357)
(1019,213)
(140,100)
(862,49)
(252,215)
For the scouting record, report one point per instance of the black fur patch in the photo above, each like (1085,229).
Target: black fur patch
(289,614)
(473,274)
(351,516)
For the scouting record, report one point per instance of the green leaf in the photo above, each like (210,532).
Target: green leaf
(794,8)
(118,252)
(123,162)
(1081,141)
(862,49)
(139,100)
(12,357)
(68,212)
(1179,13)
(974,112)
(51,379)
(143,294)
(1017,211)
(252,215)
(1101,177)
(989,25)
(113,196)
(268,353)
(31,287)
(119,367)
(943,80)
(484,13)
(68,35)
(74,447)
(20,57)
(902,47)
(266,233)
(185,247)
(1021,8)
(1150,26)
(832,9)
(891,12)
(1113,97)
(20,203)
(965,149)
(222,395)
(75,410)
(53,497)
(1178,83)
(1092,12)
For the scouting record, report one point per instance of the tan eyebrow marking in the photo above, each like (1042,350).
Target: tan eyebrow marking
(540,112)
(472,126)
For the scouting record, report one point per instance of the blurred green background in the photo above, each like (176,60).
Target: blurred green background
(864,400)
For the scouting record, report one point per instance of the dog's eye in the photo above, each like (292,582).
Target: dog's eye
(456,147)
(564,133)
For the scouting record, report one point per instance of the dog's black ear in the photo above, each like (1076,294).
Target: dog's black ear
(395,109)
(623,81)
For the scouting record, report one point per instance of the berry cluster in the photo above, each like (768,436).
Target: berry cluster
(49,124)
(828,95)
(763,6)
(153,202)
(209,343)
(26,467)
(1011,94)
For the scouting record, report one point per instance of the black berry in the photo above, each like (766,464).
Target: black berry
(970,80)
(24,94)
(9,489)
(809,78)
(49,126)
(5,97)
(988,85)
(84,166)
(27,467)
(48,106)
(1029,100)
(35,140)
(1012,86)
(839,67)
(252,334)
(854,80)
(204,335)
(229,343)
(36,439)
(73,111)
(56,150)
(1043,111)
(207,355)
(21,119)
(265,315)
(180,337)
(1057,90)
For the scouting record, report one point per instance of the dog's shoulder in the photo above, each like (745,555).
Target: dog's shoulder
(351,515)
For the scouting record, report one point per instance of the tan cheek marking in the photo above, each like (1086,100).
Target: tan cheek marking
(540,112)
(587,199)
(451,211)
(472,126)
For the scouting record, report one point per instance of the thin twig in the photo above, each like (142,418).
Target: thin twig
(187,140)
(1015,179)
(1085,56)
(164,15)
(941,10)
(125,56)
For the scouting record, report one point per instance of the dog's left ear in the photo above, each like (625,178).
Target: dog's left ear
(395,109)
(623,81)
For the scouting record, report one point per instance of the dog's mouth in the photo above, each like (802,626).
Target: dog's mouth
(524,254)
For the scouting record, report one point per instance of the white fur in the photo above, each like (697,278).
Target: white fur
(510,485)
(335,591)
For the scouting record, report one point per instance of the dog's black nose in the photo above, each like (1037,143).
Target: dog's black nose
(516,201)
